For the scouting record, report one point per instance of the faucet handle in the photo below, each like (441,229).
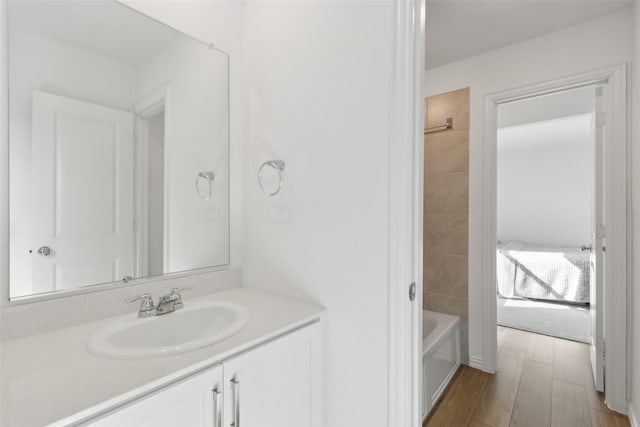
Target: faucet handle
(178,298)
(178,290)
(146,306)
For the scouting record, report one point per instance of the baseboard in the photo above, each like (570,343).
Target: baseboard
(633,417)
(476,362)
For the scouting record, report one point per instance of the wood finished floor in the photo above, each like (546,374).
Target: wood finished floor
(541,381)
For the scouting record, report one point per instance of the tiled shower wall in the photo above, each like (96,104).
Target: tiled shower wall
(446,209)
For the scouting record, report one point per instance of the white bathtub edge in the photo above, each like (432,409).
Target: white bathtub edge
(446,332)
(446,324)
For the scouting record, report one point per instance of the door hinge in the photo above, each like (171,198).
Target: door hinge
(601,231)
(134,226)
(601,119)
(412,291)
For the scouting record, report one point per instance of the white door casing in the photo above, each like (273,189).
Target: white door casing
(82,209)
(596,282)
(405,216)
(615,173)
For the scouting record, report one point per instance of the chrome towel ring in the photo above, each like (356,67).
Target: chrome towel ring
(209,177)
(278,165)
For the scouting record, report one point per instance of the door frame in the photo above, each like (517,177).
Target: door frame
(616,178)
(405,198)
(145,108)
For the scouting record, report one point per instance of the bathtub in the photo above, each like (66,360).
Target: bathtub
(440,355)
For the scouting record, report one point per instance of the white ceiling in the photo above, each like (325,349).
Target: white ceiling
(458,29)
(105,28)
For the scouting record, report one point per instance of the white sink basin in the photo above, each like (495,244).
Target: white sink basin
(196,325)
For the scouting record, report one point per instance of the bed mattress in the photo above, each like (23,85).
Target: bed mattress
(542,272)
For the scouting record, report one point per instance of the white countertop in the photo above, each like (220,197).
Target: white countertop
(52,378)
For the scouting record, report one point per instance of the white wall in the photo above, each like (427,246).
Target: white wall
(588,46)
(634,407)
(319,76)
(551,106)
(4,159)
(62,70)
(544,184)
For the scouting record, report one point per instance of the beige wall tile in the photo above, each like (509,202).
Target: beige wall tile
(446,166)
(446,275)
(446,152)
(446,193)
(446,234)
(451,104)
(447,304)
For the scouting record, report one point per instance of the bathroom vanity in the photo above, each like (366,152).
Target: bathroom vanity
(267,374)
(118,178)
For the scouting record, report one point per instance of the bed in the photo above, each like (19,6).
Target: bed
(542,272)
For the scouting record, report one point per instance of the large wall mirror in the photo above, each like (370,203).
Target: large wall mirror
(118,148)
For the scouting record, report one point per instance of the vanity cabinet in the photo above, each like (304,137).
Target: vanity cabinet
(270,385)
(191,402)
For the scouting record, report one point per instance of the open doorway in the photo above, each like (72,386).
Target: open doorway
(545,212)
(525,69)
(607,302)
(550,215)
(150,225)
(155,196)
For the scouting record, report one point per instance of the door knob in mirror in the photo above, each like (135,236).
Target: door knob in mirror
(44,250)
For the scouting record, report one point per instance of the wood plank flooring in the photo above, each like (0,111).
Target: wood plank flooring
(541,381)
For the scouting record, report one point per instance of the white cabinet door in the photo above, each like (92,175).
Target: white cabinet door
(270,386)
(192,402)
(274,385)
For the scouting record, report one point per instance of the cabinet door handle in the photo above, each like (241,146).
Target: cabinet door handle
(235,388)
(215,393)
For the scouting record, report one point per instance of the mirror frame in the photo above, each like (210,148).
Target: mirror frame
(5,285)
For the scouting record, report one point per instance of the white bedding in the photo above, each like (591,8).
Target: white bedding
(542,272)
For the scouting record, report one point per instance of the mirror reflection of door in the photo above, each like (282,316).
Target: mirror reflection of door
(82,208)
(126,70)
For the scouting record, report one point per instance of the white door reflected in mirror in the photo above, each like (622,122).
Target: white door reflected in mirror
(83,201)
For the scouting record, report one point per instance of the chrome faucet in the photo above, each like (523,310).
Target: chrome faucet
(166,303)
(170,302)
(147,308)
